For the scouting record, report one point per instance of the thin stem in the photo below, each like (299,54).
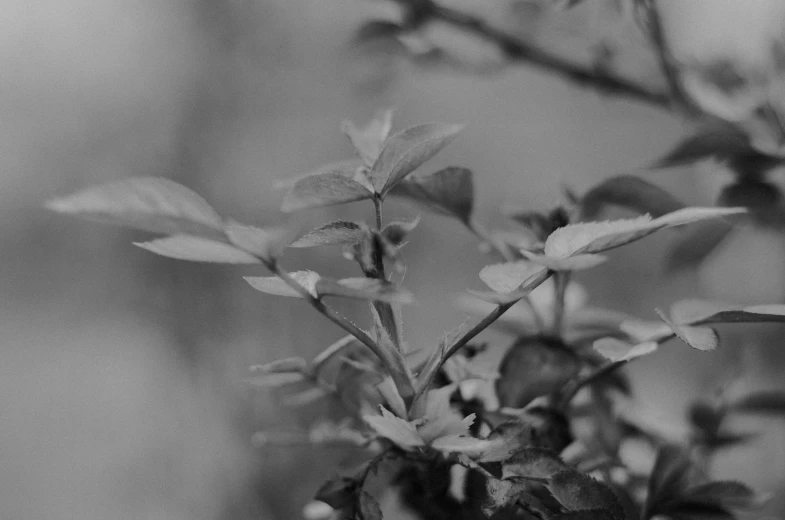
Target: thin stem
(377,204)
(385,311)
(561,280)
(589,379)
(522,51)
(391,363)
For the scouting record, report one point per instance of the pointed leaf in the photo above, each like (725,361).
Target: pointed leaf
(533,462)
(402,433)
(576,491)
(764,403)
(718,141)
(668,479)
(197,249)
(369,507)
(347,167)
(276,286)
(325,189)
(508,277)
(616,350)
(700,338)
(369,139)
(449,191)
(505,298)
(263,243)
(501,494)
(338,232)
(149,203)
(694,310)
(629,192)
(405,151)
(397,231)
(774,313)
(573,263)
(730,494)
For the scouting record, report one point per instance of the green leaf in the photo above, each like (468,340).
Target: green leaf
(576,491)
(369,139)
(197,249)
(763,403)
(449,191)
(406,151)
(338,232)
(326,189)
(290,364)
(266,244)
(629,192)
(617,350)
(149,203)
(700,338)
(596,237)
(402,433)
(369,507)
(534,367)
(276,286)
(533,462)
(397,230)
(510,276)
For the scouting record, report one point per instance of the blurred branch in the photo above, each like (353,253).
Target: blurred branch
(525,52)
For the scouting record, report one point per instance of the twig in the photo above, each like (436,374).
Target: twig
(523,51)
(589,379)
(385,311)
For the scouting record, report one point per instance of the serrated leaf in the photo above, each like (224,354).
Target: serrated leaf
(197,249)
(629,192)
(263,243)
(596,237)
(406,151)
(369,139)
(501,494)
(617,350)
(326,189)
(573,263)
(576,491)
(765,403)
(534,367)
(364,289)
(533,462)
(369,507)
(700,338)
(276,286)
(275,379)
(402,433)
(149,203)
(449,191)
(291,364)
(333,233)
(508,277)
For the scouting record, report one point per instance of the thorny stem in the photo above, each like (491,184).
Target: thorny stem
(522,51)
(395,366)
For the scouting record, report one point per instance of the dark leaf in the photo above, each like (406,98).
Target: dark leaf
(406,151)
(718,141)
(369,508)
(338,493)
(729,494)
(327,189)
(276,286)
(197,249)
(533,367)
(668,480)
(696,244)
(501,494)
(149,203)
(397,231)
(449,191)
(631,193)
(576,491)
(338,232)
(764,403)
(537,427)
(533,462)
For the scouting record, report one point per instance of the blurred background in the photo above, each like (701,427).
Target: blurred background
(118,370)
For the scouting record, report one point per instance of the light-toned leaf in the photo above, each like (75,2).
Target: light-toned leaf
(469,446)
(533,462)
(152,204)
(197,249)
(326,354)
(508,277)
(369,139)
(573,263)
(276,286)
(338,232)
(263,243)
(700,338)
(449,191)
(364,289)
(505,298)
(693,310)
(291,364)
(347,167)
(399,431)
(405,151)
(617,350)
(642,330)
(325,189)
(390,393)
